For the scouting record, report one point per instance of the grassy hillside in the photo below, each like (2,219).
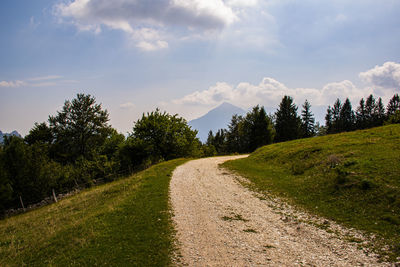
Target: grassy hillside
(352,178)
(124,223)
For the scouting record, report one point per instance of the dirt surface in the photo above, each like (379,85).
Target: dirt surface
(219,222)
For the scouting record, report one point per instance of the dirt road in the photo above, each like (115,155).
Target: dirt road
(221,223)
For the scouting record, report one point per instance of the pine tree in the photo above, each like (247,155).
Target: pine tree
(259,128)
(361,115)
(346,117)
(220,141)
(370,109)
(379,113)
(328,120)
(210,138)
(393,106)
(336,116)
(235,136)
(288,123)
(308,126)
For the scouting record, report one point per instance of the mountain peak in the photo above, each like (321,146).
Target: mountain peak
(226,104)
(215,119)
(13,133)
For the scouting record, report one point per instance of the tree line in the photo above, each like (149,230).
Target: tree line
(77,146)
(246,133)
(370,113)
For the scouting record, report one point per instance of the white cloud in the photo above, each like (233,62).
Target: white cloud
(242,3)
(12,84)
(128,105)
(148,46)
(385,76)
(46,78)
(342,90)
(42,81)
(269,92)
(148,39)
(147,22)
(33,23)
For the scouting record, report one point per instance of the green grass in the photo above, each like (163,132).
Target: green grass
(124,223)
(352,178)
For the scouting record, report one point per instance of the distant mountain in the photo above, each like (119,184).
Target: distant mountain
(215,119)
(13,133)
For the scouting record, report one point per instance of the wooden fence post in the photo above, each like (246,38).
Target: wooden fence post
(54,196)
(22,203)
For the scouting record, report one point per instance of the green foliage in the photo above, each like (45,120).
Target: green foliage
(352,178)
(6,190)
(379,114)
(134,154)
(123,223)
(165,136)
(361,116)
(369,113)
(79,147)
(257,128)
(79,129)
(209,150)
(40,133)
(346,117)
(395,118)
(235,138)
(288,123)
(218,142)
(27,170)
(329,120)
(307,120)
(393,106)
(112,144)
(333,118)
(373,113)
(244,134)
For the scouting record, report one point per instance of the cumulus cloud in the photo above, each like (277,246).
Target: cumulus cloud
(385,76)
(384,82)
(145,21)
(269,92)
(12,84)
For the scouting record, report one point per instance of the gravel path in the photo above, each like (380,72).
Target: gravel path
(221,223)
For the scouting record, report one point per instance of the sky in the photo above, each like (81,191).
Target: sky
(189,56)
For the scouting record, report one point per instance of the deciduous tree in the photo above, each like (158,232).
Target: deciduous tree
(79,128)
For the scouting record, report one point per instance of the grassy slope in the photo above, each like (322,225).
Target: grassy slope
(122,223)
(352,178)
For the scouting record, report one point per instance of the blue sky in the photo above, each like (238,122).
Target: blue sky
(189,56)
